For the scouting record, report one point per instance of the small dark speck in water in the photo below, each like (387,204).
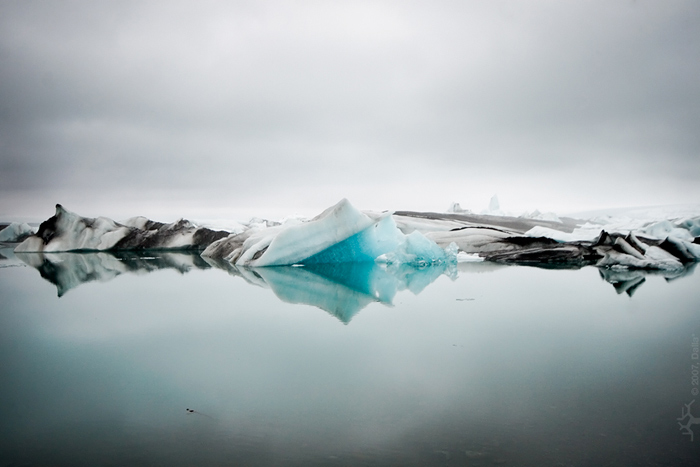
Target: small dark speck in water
(466,299)
(199,413)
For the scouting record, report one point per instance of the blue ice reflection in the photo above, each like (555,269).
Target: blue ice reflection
(341,289)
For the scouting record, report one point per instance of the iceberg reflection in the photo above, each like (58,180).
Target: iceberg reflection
(629,280)
(68,270)
(343,289)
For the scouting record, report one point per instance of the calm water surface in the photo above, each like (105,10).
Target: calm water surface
(484,365)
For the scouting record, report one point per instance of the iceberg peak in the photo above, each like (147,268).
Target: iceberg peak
(494,205)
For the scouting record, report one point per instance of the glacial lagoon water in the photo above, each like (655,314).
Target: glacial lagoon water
(102,356)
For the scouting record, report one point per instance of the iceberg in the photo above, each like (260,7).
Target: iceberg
(455,208)
(639,252)
(692,225)
(543,216)
(665,229)
(340,234)
(67,231)
(494,208)
(15,232)
(586,233)
(418,250)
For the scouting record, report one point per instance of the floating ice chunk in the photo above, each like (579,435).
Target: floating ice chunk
(542,216)
(494,208)
(587,233)
(418,250)
(455,208)
(469,239)
(692,225)
(463,257)
(665,229)
(408,224)
(16,232)
(284,245)
(67,231)
(661,258)
(685,251)
(261,223)
(341,234)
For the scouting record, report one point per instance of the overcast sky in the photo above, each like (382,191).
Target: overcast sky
(231,109)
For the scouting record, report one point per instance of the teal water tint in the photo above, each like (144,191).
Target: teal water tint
(487,365)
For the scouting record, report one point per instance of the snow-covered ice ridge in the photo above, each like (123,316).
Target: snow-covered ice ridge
(343,234)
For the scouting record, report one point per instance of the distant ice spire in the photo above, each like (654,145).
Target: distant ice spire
(455,207)
(494,205)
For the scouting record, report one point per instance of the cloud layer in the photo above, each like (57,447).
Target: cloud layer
(237,108)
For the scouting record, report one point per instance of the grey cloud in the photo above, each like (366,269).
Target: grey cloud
(267,95)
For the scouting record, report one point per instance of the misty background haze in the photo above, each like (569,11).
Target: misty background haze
(231,109)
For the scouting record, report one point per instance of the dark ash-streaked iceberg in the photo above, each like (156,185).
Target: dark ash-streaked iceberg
(67,231)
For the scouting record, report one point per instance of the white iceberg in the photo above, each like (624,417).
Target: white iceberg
(691,224)
(16,232)
(494,208)
(542,216)
(455,208)
(340,234)
(587,233)
(665,229)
